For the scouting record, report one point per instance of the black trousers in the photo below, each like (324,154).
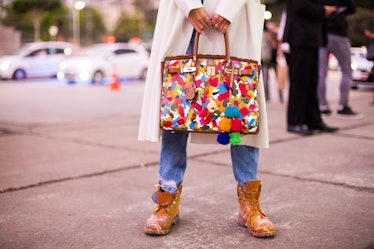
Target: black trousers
(303,105)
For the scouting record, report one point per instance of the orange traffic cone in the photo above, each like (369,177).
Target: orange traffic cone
(114,85)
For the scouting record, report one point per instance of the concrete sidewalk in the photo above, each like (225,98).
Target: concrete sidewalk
(73,175)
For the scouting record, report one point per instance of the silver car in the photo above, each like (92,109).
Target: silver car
(361,67)
(101,61)
(37,59)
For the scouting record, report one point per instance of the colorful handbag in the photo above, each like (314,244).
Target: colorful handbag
(210,93)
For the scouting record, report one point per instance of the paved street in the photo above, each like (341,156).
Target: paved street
(73,175)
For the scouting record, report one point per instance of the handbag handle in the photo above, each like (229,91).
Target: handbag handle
(227,47)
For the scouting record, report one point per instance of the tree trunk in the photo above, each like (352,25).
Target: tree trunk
(36,19)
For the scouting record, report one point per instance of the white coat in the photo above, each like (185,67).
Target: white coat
(172,36)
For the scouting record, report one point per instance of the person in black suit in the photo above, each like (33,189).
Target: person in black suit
(304,32)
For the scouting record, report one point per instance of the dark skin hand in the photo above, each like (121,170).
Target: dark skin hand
(220,23)
(200,20)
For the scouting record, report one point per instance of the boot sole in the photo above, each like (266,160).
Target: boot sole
(156,231)
(242,223)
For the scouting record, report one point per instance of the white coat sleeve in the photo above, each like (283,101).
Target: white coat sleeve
(228,10)
(187,5)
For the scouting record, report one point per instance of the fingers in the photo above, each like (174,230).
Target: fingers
(199,19)
(220,23)
(201,24)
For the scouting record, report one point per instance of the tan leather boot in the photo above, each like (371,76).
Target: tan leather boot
(166,212)
(250,212)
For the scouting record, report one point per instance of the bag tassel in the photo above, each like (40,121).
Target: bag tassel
(231,125)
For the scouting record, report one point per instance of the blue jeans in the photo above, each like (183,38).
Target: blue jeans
(174,156)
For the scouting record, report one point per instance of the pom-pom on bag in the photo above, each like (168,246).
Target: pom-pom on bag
(210,93)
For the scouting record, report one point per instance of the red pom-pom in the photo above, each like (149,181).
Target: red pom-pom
(167,124)
(236,125)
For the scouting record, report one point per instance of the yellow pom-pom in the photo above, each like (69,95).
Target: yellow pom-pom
(225,125)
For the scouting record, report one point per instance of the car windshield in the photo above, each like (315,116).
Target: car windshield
(23,51)
(30,48)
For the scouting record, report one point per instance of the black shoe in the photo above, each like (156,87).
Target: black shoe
(325,110)
(323,128)
(299,129)
(347,112)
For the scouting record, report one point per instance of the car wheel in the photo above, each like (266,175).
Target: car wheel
(19,74)
(143,74)
(98,77)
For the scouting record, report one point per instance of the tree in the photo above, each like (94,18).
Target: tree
(127,27)
(34,10)
(358,22)
(147,9)
(56,18)
(91,26)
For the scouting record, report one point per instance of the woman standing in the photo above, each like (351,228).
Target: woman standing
(176,23)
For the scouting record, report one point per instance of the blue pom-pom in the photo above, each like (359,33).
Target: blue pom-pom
(232,112)
(223,138)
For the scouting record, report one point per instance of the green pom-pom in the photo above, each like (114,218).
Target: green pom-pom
(235,138)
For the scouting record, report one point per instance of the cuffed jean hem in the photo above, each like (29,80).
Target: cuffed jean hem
(168,186)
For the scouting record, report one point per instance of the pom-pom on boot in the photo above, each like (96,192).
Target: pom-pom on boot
(250,212)
(166,212)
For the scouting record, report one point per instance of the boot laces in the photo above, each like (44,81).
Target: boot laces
(253,199)
(165,208)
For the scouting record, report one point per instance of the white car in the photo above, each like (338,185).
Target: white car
(37,59)
(100,61)
(361,67)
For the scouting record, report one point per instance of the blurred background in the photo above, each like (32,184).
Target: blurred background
(84,23)
(93,21)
